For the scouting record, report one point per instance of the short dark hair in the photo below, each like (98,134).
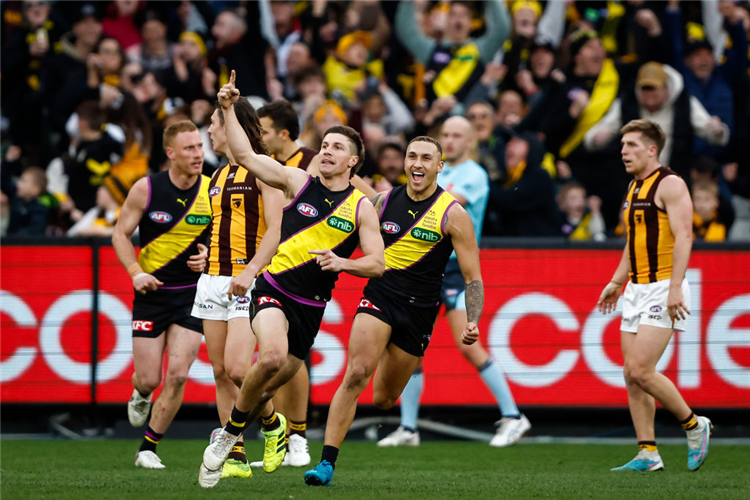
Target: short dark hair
(425,138)
(648,129)
(306,72)
(355,139)
(283,115)
(91,113)
(250,123)
(38,176)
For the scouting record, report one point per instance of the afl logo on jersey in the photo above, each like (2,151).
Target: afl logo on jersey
(391,227)
(243,299)
(307,210)
(160,217)
(214,191)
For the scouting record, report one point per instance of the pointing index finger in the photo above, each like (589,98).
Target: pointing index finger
(233,77)
(317,252)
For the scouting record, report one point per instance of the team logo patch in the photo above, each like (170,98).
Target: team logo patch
(368,305)
(307,210)
(655,309)
(143,326)
(160,217)
(391,227)
(268,300)
(243,299)
(214,191)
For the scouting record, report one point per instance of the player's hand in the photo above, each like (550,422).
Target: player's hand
(242,284)
(328,261)
(676,305)
(197,262)
(144,282)
(470,334)
(608,299)
(229,94)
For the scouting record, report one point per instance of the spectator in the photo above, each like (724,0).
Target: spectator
(660,96)
(490,146)
(119,22)
(582,217)
(155,52)
(328,115)
(190,79)
(711,83)
(390,161)
(525,199)
(455,62)
(705,169)
(25,56)
(706,223)
(350,67)
(238,45)
(310,92)
(382,106)
(28,215)
(100,220)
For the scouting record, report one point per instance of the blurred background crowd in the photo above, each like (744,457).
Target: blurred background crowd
(88,88)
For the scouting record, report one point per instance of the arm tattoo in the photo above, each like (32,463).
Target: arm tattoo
(474,301)
(375,199)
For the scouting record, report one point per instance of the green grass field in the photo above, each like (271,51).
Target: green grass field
(104,469)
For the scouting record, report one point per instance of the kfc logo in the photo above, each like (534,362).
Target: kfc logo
(368,305)
(268,300)
(143,326)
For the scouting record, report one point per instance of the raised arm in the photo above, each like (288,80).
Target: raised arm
(372,263)
(673,192)
(130,216)
(288,179)
(461,231)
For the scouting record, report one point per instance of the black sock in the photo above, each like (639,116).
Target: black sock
(270,423)
(237,421)
(150,440)
(330,454)
(238,452)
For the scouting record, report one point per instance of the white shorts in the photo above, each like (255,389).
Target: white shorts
(646,304)
(211,301)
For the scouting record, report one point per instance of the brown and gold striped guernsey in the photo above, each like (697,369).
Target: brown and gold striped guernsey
(237,225)
(301,158)
(650,238)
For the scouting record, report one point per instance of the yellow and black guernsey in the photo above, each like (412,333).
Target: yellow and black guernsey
(317,219)
(416,246)
(650,238)
(301,158)
(173,224)
(238,222)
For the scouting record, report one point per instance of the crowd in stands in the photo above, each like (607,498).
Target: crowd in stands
(88,88)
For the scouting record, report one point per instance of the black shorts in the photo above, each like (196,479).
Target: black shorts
(453,292)
(155,311)
(304,320)
(411,325)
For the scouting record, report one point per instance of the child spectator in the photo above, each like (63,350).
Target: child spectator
(582,218)
(706,223)
(29,215)
(101,219)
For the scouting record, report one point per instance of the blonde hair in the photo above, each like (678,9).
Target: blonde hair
(177,128)
(649,130)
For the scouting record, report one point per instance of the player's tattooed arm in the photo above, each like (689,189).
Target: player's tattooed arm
(474,301)
(377,201)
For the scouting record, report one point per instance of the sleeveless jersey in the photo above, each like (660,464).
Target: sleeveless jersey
(416,247)
(301,158)
(238,222)
(317,219)
(650,239)
(173,224)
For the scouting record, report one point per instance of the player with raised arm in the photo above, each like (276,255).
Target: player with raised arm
(323,223)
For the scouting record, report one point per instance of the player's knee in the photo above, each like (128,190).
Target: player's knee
(236,374)
(271,362)
(148,383)
(384,401)
(640,375)
(177,378)
(356,377)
